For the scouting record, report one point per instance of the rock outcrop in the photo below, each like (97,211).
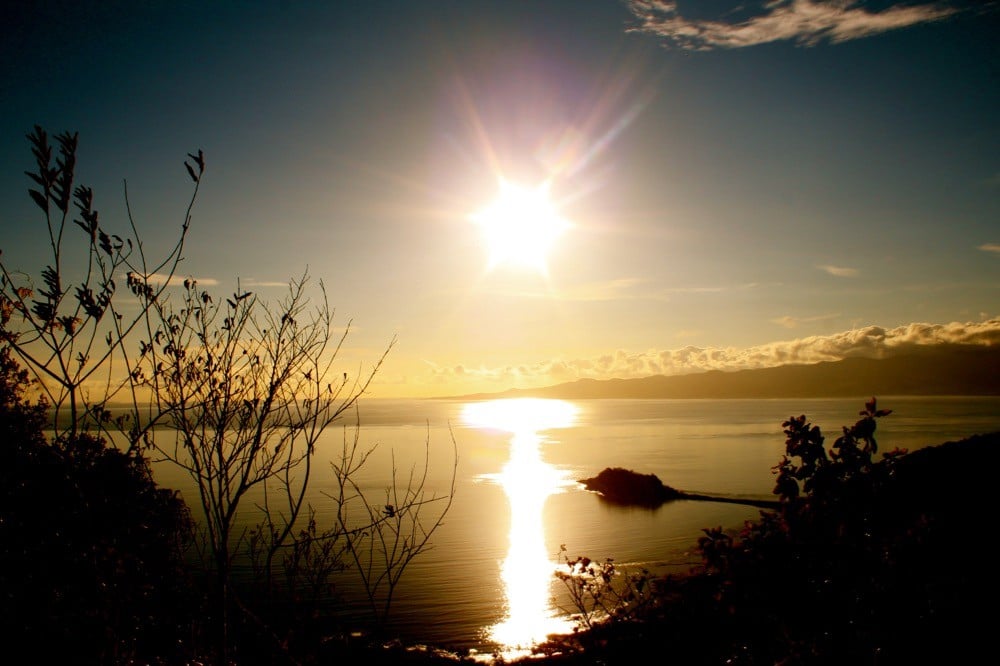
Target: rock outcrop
(623,486)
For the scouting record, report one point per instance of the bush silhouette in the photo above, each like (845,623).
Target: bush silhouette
(92,549)
(869,558)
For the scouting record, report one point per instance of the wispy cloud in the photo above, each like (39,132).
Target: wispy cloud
(611,290)
(638,289)
(713,289)
(794,322)
(688,333)
(178,280)
(867,341)
(251,282)
(990,247)
(806,22)
(839,271)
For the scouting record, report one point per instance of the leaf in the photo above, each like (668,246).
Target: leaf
(40,199)
(105,242)
(44,311)
(85,296)
(51,278)
(199,160)
(191,172)
(84,197)
(35,177)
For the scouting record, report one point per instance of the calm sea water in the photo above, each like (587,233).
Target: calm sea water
(487,583)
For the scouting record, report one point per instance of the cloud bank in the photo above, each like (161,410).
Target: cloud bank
(870,341)
(805,22)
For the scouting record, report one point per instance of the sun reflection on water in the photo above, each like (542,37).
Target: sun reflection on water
(527,571)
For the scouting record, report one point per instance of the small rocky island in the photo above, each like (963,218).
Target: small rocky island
(623,486)
(629,488)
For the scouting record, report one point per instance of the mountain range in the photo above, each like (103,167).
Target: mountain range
(932,370)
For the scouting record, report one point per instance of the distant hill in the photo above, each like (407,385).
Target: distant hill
(938,370)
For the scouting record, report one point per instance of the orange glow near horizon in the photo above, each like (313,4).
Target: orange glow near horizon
(527,571)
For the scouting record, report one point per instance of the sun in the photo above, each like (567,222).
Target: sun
(520,226)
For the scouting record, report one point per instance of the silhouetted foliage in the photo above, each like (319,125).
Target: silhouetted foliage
(246,387)
(816,577)
(383,536)
(68,328)
(859,564)
(91,568)
(601,592)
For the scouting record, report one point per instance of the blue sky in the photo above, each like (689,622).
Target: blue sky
(746,183)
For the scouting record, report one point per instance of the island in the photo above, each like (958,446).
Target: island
(629,488)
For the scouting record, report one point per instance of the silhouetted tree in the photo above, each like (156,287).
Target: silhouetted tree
(69,328)
(381,537)
(836,574)
(248,388)
(245,386)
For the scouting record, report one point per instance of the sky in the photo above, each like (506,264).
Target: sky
(703,184)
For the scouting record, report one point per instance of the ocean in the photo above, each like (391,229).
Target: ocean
(487,581)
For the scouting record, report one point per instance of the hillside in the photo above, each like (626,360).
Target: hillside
(941,370)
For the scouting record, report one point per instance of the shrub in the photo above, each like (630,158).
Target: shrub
(858,564)
(90,548)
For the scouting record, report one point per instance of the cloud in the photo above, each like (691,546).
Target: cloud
(688,333)
(990,247)
(611,290)
(806,22)
(635,289)
(794,322)
(868,341)
(717,289)
(178,280)
(839,271)
(251,282)
(621,289)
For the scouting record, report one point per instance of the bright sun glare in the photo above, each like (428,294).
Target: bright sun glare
(520,226)
(528,481)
